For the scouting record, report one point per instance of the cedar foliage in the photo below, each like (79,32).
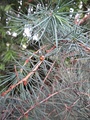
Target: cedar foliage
(45,78)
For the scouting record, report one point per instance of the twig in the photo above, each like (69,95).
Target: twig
(84,19)
(16,72)
(28,59)
(23,80)
(46,79)
(47,74)
(85,47)
(42,101)
(52,48)
(84,94)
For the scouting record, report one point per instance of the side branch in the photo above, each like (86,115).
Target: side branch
(23,80)
(42,101)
